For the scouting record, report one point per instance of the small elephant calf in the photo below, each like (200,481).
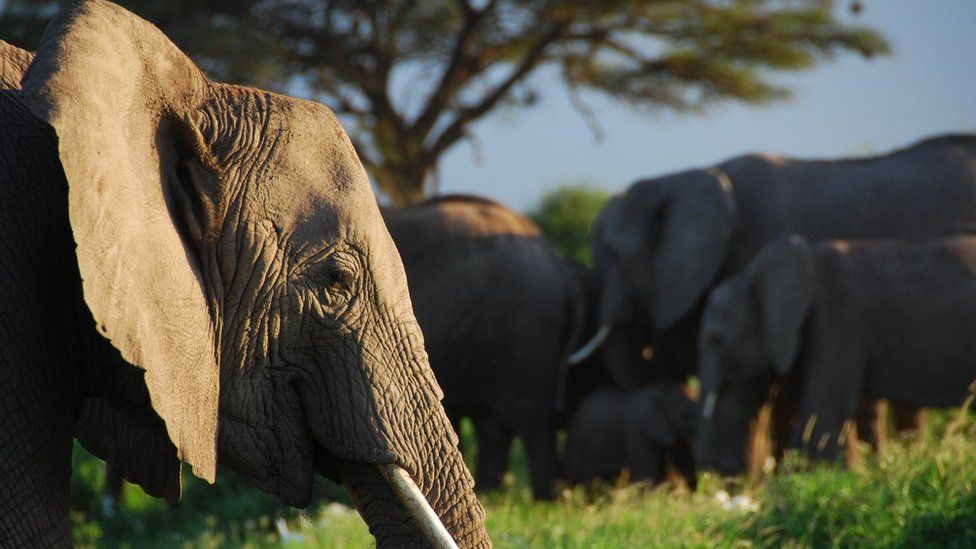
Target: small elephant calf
(889,318)
(640,430)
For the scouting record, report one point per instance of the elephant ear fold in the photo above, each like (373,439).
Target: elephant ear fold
(694,229)
(782,285)
(120,96)
(13,63)
(136,447)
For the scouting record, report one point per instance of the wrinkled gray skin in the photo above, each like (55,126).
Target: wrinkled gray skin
(664,243)
(226,242)
(837,320)
(500,311)
(640,431)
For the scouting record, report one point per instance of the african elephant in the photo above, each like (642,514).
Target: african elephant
(835,320)
(500,311)
(665,242)
(614,430)
(226,242)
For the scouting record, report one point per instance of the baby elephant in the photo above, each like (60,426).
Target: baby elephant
(640,431)
(833,321)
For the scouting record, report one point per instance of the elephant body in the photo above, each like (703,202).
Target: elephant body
(180,255)
(665,242)
(639,431)
(499,310)
(837,320)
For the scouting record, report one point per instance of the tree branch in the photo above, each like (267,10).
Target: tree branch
(452,76)
(455,130)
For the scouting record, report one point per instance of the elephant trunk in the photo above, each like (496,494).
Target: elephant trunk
(394,511)
(402,424)
(419,508)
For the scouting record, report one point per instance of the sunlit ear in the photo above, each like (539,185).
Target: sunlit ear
(13,63)
(120,96)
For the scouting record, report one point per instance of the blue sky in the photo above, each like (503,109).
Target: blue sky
(846,106)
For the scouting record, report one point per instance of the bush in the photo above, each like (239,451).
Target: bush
(566,215)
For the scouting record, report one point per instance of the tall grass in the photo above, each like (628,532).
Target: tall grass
(921,493)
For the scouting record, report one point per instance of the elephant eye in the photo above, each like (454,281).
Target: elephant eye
(716,339)
(338,278)
(334,280)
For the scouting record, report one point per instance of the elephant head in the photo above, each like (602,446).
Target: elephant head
(750,334)
(230,245)
(657,249)
(662,413)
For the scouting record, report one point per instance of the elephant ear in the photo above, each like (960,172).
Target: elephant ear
(694,222)
(136,447)
(119,96)
(599,235)
(13,63)
(782,286)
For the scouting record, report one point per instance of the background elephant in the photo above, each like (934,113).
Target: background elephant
(499,310)
(226,242)
(836,320)
(665,242)
(639,431)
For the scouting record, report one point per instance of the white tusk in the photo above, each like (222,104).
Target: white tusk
(709,407)
(586,350)
(415,502)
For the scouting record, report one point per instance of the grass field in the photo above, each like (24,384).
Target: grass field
(922,493)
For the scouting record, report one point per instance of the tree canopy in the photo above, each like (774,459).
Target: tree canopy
(413,75)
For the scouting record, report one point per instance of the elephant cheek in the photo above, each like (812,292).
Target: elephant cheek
(273,449)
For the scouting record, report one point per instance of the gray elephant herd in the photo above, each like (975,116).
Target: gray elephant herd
(194,272)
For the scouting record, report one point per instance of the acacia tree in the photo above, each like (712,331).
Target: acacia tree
(414,74)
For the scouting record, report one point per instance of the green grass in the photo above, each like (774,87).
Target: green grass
(922,493)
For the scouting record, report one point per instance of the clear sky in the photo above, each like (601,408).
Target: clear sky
(846,106)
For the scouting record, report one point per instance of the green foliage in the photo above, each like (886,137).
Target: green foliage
(228,513)
(922,493)
(463,59)
(566,215)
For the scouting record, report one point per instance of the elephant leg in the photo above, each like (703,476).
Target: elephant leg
(645,459)
(683,462)
(540,447)
(36,421)
(494,443)
(823,414)
(782,418)
(872,422)
(907,417)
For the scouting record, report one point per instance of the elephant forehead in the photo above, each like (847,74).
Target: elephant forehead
(721,306)
(287,161)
